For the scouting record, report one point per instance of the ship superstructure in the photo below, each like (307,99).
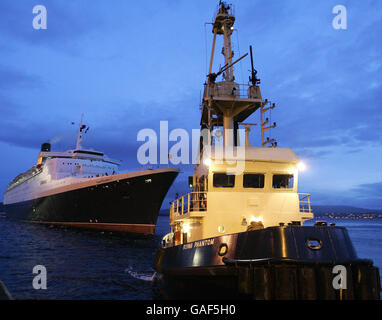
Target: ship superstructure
(236,184)
(264,194)
(84,188)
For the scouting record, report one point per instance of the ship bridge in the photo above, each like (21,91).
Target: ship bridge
(229,100)
(230,194)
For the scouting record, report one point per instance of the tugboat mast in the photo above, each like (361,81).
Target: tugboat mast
(223,25)
(226,103)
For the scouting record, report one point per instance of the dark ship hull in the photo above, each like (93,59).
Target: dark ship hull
(292,262)
(130,204)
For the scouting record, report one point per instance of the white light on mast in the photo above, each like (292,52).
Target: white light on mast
(207,162)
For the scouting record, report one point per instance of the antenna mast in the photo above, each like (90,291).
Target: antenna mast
(79,135)
(264,123)
(226,103)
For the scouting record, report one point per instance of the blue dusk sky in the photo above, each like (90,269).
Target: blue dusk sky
(127,65)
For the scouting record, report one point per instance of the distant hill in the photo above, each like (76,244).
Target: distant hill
(1,207)
(345,211)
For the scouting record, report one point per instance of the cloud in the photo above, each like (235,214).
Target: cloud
(370,190)
(313,153)
(9,109)
(326,83)
(328,89)
(368,195)
(66,22)
(113,130)
(11,78)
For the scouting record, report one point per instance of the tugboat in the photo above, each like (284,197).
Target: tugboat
(240,233)
(82,188)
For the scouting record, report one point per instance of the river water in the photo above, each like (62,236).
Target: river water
(84,264)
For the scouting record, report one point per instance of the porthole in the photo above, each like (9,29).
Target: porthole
(313,244)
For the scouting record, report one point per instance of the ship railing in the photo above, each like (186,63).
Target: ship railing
(231,10)
(305,204)
(232,90)
(191,202)
(24,177)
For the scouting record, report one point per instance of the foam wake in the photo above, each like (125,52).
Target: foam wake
(140,276)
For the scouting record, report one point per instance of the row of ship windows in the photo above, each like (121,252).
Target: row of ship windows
(77,164)
(102,175)
(253,180)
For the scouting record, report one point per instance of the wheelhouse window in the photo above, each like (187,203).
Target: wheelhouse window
(282,181)
(223,180)
(253,180)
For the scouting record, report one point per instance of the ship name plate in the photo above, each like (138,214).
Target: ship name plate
(197,244)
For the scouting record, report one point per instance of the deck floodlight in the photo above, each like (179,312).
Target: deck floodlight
(301,166)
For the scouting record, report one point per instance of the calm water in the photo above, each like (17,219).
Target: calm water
(103,265)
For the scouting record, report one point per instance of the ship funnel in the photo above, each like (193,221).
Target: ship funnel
(45,147)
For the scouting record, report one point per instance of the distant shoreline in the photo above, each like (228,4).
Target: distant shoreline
(329,212)
(332,212)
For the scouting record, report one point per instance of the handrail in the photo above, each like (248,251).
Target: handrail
(235,90)
(304,202)
(197,201)
(193,201)
(24,177)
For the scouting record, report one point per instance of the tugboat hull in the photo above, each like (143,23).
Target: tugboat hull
(292,262)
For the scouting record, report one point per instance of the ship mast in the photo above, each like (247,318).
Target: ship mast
(79,135)
(226,103)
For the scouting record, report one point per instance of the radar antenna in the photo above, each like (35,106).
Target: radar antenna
(255,81)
